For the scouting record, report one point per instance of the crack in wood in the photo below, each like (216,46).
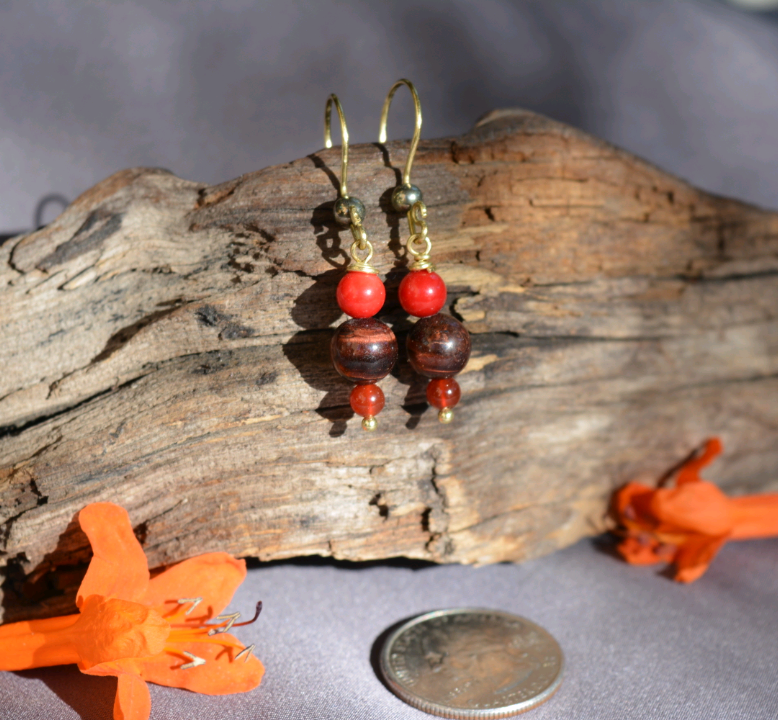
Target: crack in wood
(95,230)
(121,337)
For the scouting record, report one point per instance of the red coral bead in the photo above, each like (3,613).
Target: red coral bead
(367,400)
(361,294)
(422,293)
(443,393)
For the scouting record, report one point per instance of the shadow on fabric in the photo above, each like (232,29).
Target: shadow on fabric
(91,697)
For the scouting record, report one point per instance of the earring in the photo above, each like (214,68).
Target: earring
(363,349)
(438,345)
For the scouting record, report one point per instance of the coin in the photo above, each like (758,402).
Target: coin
(472,663)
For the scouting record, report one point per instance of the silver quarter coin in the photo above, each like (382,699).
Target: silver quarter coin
(472,663)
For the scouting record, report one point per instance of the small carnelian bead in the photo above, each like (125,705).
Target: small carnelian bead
(367,400)
(443,393)
(361,294)
(422,293)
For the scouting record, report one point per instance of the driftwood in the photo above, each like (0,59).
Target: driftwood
(165,346)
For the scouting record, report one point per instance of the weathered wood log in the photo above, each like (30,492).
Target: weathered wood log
(165,346)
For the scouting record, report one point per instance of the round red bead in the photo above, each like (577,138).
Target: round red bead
(367,400)
(422,293)
(361,294)
(443,393)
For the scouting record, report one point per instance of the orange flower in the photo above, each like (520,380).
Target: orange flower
(687,524)
(141,629)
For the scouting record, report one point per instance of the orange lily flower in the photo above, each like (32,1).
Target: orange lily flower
(689,523)
(142,629)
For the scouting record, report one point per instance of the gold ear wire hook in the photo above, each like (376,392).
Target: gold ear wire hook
(343,190)
(407,197)
(416,129)
(347,210)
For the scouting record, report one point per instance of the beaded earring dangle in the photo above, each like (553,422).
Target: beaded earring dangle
(363,349)
(438,345)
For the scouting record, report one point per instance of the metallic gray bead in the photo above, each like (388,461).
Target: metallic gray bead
(342,210)
(404,196)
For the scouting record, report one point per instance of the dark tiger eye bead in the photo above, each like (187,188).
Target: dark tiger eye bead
(364,350)
(438,346)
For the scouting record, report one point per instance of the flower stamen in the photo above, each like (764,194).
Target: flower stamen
(246,651)
(230,620)
(226,628)
(254,619)
(196,661)
(179,636)
(195,602)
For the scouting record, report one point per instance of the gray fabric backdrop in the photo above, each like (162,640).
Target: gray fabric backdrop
(638,646)
(214,89)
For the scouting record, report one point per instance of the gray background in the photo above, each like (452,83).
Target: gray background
(212,90)
(638,646)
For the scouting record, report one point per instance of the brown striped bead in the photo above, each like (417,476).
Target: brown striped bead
(438,346)
(364,350)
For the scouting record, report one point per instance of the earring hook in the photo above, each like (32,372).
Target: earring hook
(416,129)
(333,99)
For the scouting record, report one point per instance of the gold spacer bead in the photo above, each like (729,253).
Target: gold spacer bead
(369,423)
(446,415)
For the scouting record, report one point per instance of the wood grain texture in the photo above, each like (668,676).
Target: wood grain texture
(165,346)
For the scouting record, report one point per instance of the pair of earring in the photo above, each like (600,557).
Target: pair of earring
(363,349)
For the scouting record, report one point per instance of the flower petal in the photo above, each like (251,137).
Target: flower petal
(38,643)
(113,629)
(632,506)
(756,516)
(133,701)
(219,675)
(118,568)
(640,550)
(698,507)
(115,668)
(694,556)
(214,577)
(690,472)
